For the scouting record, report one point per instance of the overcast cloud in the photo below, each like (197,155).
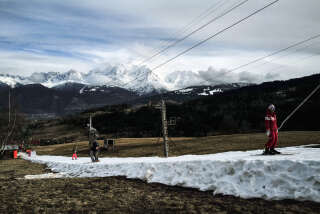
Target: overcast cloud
(43,35)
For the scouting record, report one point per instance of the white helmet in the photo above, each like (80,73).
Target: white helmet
(271,107)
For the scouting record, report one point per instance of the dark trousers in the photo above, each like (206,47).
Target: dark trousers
(94,155)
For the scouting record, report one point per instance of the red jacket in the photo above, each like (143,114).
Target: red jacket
(271,121)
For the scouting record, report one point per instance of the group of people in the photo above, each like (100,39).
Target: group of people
(93,147)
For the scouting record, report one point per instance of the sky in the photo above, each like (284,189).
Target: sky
(53,35)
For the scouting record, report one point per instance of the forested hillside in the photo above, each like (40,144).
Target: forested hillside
(235,111)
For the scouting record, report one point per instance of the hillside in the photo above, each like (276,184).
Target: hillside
(234,111)
(39,101)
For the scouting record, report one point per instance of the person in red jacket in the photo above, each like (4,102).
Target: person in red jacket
(271,131)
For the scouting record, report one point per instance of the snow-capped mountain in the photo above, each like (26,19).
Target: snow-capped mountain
(13,80)
(134,78)
(137,79)
(52,79)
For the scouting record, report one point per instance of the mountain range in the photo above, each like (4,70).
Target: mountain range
(53,93)
(133,78)
(239,110)
(39,101)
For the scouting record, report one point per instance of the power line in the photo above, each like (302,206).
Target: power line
(285,55)
(183,30)
(276,52)
(203,41)
(256,60)
(214,35)
(210,10)
(194,31)
(304,58)
(271,54)
(200,17)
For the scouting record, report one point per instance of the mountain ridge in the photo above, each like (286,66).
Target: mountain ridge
(134,78)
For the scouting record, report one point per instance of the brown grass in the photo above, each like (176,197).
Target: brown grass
(54,131)
(137,147)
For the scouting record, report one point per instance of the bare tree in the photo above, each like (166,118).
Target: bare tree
(7,132)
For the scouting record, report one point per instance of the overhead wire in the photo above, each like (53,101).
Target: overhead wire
(256,60)
(195,21)
(195,31)
(276,52)
(172,44)
(214,35)
(201,16)
(264,57)
(201,42)
(285,55)
(302,59)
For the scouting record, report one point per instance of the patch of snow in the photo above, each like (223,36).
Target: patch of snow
(218,90)
(203,94)
(82,89)
(45,176)
(207,91)
(244,174)
(185,90)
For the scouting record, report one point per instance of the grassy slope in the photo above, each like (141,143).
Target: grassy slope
(138,147)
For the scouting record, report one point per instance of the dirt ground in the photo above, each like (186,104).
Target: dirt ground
(121,195)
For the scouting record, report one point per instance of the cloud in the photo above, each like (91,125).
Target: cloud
(215,76)
(43,35)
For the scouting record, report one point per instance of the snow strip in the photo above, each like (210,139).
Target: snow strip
(45,176)
(294,175)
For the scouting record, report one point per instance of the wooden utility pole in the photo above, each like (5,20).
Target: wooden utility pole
(9,106)
(90,123)
(164,128)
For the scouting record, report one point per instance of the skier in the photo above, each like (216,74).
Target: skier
(94,151)
(271,131)
(74,156)
(93,145)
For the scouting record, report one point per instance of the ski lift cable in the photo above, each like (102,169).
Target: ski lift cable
(280,67)
(195,21)
(238,5)
(202,16)
(206,81)
(261,58)
(301,104)
(276,52)
(203,41)
(214,35)
(195,31)
(286,55)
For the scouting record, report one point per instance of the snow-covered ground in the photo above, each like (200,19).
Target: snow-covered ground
(294,175)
